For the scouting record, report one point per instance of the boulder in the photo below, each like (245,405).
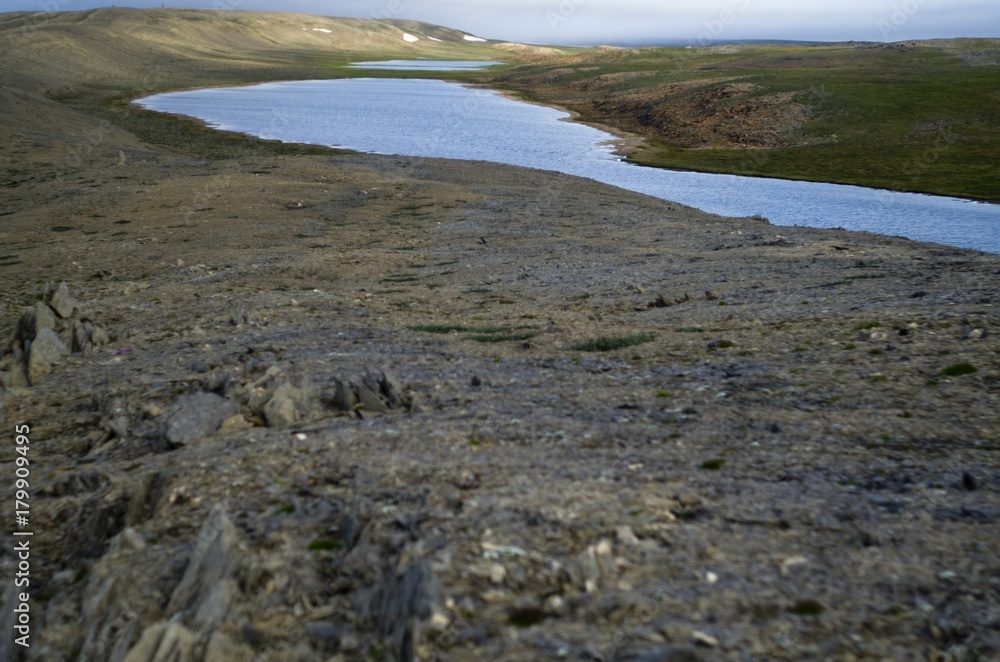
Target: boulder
(196,416)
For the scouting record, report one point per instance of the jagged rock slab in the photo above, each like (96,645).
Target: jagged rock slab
(196,416)
(215,557)
(165,642)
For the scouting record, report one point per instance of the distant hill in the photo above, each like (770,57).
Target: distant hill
(432,32)
(92,62)
(108,43)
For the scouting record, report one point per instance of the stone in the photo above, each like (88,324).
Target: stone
(223,649)
(706,639)
(46,351)
(294,400)
(974,334)
(45,318)
(393,392)
(85,336)
(215,605)
(873,335)
(370,400)
(214,559)
(99,337)
(164,642)
(343,397)
(196,416)
(662,654)
(24,329)
(281,408)
(593,566)
(62,301)
(18,375)
(407,596)
(79,338)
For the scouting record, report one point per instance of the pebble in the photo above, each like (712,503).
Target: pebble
(706,639)
(792,562)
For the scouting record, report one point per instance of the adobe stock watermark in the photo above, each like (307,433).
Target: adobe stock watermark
(912,170)
(22,544)
(715,28)
(899,16)
(563,12)
(392,9)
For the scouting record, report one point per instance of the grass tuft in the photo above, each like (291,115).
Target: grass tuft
(959,370)
(325,545)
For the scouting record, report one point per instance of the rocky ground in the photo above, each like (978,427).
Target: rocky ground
(341,407)
(346,408)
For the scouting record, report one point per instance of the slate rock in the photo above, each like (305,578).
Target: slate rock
(45,318)
(370,400)
(344,398)
(62,301)
(46,351)
(294,400)
(196,416)
(165,642)
(215,604)
(18,375)
(221,648)
(215,558)
(24,329)
(85,336)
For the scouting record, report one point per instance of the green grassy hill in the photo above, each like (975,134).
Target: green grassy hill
(915,116)
(105,45)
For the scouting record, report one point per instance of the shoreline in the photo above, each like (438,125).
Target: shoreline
(622,143)
(629,142)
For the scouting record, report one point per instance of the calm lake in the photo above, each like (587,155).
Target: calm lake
(414,117)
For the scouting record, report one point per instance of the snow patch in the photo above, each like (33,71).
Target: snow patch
(433,38)
(323,30)
(469,37)
(410,38)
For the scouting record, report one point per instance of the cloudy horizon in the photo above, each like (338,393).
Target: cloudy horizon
(637,21)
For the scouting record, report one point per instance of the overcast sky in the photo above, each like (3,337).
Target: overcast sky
(616,21)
